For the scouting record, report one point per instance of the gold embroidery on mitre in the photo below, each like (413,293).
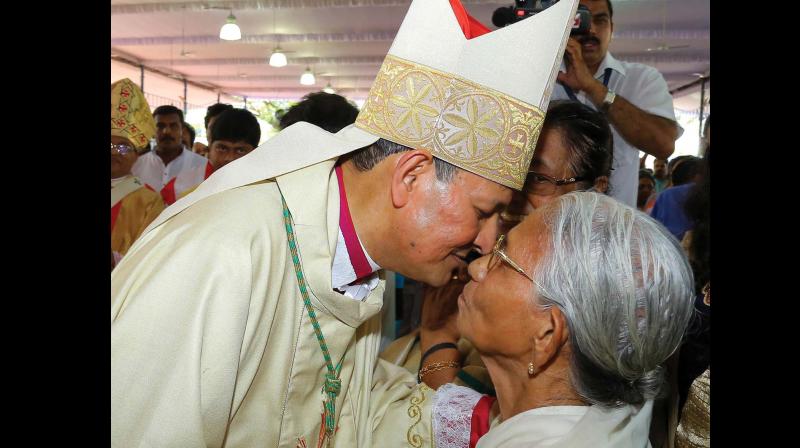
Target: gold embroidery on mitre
(130,114)
(469,125)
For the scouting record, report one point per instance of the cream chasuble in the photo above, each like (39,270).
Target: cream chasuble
(210,342)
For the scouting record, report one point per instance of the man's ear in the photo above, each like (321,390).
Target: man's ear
(409,166)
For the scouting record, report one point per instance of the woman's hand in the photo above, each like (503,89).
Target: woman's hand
(440,314)
(439,324)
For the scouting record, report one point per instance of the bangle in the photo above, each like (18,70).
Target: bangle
(440,346)
(436,367)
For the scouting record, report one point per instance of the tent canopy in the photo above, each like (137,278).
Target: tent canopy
(344,42)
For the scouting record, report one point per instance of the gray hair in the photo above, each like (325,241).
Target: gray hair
(366,158)
(626,290)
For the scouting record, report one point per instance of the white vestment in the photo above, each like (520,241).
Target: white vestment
(210,342)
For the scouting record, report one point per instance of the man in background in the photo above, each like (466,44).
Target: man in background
(171,169)
(235,133)
(188,137)
(661,174)
(634,98)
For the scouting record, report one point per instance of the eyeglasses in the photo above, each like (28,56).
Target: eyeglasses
(122,149)
(498,253)
(544,185)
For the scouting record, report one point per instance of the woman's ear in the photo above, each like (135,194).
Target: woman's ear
(550,335)
(410,165)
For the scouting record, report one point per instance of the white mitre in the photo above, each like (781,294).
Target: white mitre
(477,103)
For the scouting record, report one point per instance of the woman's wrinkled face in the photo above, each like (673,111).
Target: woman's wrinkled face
(496,308)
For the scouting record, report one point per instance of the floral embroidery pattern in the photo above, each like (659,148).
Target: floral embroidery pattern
(469,125)
(411,102)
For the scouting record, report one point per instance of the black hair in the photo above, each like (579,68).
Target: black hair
(236,125)
(168,110)
(647,175)
(214,110)
(366,158)
(587,134)
(685,170)
(329,111)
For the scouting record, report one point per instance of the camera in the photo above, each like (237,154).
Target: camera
(523,9)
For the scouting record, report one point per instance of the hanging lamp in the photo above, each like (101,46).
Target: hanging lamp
(230,31)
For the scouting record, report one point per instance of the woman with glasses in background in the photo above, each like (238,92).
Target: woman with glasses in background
(574,152)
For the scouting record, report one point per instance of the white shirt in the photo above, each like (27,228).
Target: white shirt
(343,272)
(644,87)
(188,167)
(573,427)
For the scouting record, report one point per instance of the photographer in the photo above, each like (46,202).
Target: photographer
(634,98)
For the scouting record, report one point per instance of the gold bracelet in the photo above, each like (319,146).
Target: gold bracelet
(437,366)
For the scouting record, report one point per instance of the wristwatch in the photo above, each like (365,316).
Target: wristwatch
(608,100)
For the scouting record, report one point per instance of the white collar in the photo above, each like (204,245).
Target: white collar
(612,63)
(343,273)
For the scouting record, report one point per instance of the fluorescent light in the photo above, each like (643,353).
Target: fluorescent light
(230,31)
(307,79)
(277,59)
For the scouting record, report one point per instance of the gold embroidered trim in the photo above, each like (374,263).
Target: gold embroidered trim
(415,411)
(469,125)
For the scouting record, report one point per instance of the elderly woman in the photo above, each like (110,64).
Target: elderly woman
(573,313)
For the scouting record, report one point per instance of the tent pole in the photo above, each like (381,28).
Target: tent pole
(702,103)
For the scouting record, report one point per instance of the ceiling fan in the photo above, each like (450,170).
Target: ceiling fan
(184,52)
(173,74)
(663,46)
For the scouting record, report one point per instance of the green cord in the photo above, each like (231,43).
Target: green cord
(332,385)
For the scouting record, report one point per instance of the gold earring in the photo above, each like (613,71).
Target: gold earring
(531,369)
